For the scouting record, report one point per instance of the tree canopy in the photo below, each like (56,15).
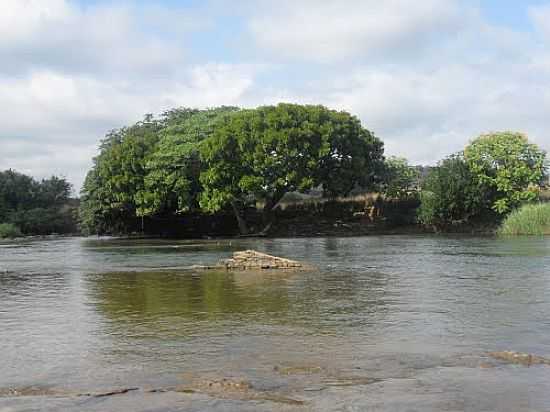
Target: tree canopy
(509,165)
(213,159)
(495,174)
(261,154)
(35,207)
(172,170)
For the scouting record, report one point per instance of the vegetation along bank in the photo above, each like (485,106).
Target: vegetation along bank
(31,207)
(295,169)
(286,170)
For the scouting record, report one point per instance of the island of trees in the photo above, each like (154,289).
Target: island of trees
(289,169)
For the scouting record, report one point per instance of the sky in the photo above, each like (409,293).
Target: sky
(425,76)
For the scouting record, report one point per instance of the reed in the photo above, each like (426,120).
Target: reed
(533,219)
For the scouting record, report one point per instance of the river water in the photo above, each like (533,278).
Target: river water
(390,323)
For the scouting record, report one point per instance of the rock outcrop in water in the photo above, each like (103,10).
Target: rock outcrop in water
(253,260)
(525,359)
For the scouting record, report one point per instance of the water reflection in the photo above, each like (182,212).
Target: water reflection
(185,298)
(406,309)
(181,303)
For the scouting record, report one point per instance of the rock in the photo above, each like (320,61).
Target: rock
(27,391)
(525,359)
(225,385)
(253,260)
(226,388)
(298,370)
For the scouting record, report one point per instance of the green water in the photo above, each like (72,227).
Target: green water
(397,323)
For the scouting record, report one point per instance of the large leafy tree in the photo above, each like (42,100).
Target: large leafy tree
(172,171)
(261,154)
(509,165)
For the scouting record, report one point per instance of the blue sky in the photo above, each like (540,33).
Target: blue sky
(426,76)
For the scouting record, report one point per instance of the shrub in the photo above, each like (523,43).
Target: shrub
(450,194)
(533,219)
(9,230)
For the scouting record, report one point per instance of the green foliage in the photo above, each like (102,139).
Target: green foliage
(532,219)
(9,230)
(261,154)
(112,189)
(146,169)
(399,178)
(172,179)
(497,173)
(209,159)
(508,165)
(36,207)
(450,194)
(44,221)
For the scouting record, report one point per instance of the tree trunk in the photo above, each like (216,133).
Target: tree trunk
(243,227)
(267,214)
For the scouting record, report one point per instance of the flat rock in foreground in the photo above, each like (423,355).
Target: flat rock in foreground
(253,260)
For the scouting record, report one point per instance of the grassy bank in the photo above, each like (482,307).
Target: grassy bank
(528,220)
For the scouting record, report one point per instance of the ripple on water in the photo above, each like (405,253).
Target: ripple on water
(386,323)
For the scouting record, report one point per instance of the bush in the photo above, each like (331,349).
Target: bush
(450,194)
(533,219)
(9,230)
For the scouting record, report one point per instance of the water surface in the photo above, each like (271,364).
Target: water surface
(396,323)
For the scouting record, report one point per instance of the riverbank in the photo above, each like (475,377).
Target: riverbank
(315,227)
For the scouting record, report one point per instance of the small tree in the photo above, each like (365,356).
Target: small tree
(508,165)
(450,194)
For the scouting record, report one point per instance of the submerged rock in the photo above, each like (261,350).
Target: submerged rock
(525,359)
(226,388)
(298,370)
(28,391)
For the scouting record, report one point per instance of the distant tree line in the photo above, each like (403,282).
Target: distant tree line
(29,206)
(228,160)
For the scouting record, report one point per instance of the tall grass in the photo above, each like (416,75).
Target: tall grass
(528,220)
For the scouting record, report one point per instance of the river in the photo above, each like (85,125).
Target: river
(384,323)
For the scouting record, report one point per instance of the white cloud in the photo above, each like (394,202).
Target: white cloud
(338,29)
(50,120)
(21,19)
(430,113)
(426,76)
(115,40)
(540,16)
